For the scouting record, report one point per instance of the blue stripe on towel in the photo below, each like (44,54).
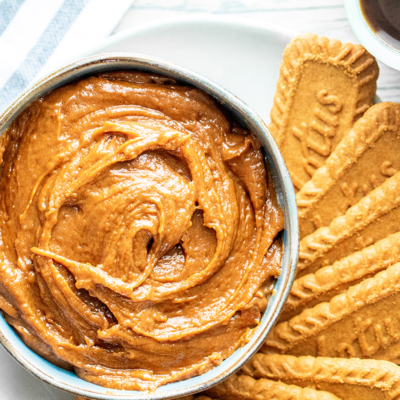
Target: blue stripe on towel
(42,50)
(8,9)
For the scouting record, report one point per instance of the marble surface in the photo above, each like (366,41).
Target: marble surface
(324,17)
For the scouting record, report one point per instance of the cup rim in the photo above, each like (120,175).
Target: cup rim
(367,37)
(69,381)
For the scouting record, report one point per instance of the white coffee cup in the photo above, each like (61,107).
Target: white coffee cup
(368,38)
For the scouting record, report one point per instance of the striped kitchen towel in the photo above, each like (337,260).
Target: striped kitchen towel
(38,36)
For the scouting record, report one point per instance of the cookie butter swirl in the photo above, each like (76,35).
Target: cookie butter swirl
(137,230)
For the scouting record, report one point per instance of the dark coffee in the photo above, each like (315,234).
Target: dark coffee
(383,17)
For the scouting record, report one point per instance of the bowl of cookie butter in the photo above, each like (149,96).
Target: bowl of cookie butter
(149,232)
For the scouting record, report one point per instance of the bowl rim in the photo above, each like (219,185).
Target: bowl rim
(67,380)
(367,37)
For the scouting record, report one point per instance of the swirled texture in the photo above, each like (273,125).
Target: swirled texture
(138,231)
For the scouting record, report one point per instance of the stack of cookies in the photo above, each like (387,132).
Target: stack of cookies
(339,334)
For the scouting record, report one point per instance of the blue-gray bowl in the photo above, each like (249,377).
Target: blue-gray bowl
(67,380)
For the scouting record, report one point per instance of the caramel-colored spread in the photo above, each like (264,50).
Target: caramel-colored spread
(138,230)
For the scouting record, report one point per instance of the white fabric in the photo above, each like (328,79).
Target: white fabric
(39,36)
(103,16)
(15,43)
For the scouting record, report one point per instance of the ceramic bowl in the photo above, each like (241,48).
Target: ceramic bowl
(67,380)
(368,38)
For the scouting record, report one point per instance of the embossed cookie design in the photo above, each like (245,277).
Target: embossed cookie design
(363,322)
(329,281)
(247,388)
(347,379)
(362,161)
(373,218)
(323,88)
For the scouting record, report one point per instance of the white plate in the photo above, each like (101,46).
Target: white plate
(243,57)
